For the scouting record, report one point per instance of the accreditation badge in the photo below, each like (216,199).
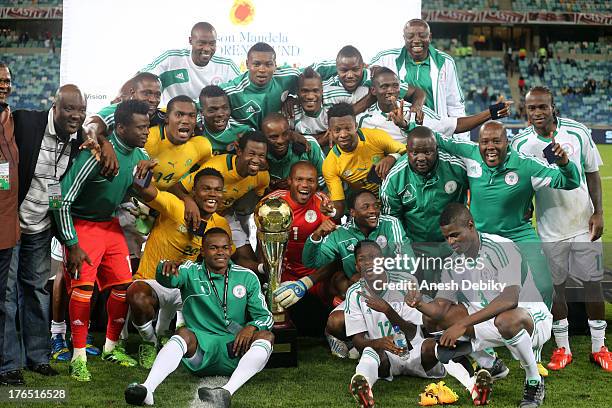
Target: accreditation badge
(55,195)
(5,180)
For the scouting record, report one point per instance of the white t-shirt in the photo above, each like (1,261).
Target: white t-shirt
(180,76)
(309,125)
(563,214)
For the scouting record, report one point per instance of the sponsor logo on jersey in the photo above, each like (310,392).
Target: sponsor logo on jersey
(311,216)
(347,173)
(351,247)
(511,178)
(247,110)
(180,76)
(381,240)
(239,291)
(450,187)
(473,168)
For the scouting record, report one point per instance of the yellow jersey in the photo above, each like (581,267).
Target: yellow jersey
(170,239)
(175,161)
(235,186)
(353,167)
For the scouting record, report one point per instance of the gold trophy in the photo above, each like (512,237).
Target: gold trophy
(273,217)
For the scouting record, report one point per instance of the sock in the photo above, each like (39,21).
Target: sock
(560,329)
(253,361)
(109,345)
(147,332)
(483,358)
(79,352)
(124,330)
(598,333)
(520,347)
(180,321)
(117,308)
(167,360)
(78,309)
(368,365)
(58,328)
(461,374)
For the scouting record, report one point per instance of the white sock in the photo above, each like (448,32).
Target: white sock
(461,374)
(109,345)
(124,330)
(58,328)
(368,365)
(180,321)
(253,361)
(598,334)
(167,360)
(147,332)
(79,352)
(560,329)
(483,358)
(520,347)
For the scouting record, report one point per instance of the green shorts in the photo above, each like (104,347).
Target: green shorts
(211,356)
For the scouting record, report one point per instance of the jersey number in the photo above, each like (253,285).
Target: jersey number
(385,327)
(167,179)
(295,233)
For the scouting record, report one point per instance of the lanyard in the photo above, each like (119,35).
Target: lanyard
(214,288)
(57,159)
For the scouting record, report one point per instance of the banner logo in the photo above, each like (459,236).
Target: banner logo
(242,12)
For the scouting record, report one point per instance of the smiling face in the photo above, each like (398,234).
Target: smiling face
(386,88)
(207,193)
(366,211)
(181,122)
(344,132)
(350,72)
(148,91)
(302,183)
(261,66)
(216,251)
(216,112)
(540,111)
(252,159)
(69,111)
(364,264)
(310,95)
(278,135)
(203,46)
(5,84)
(493,144)
(416,40)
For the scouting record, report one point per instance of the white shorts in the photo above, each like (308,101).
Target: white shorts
(487,335)
(239,236)
(169,299)
(577,257)
(57,250)
(127,220)
(412,365)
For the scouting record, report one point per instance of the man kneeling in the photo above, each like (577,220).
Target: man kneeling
(217,339)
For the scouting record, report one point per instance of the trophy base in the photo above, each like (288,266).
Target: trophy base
(284,353)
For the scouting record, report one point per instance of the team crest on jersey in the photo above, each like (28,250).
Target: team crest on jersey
(216,80)
(205,288)
(381,240)
(182,229)
(239,291)
(511,178)
(311,216)
(450,187)
(569,149)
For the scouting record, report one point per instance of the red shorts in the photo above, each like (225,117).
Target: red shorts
(105,245)
(294,272)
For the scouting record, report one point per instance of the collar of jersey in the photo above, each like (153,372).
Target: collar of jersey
(120,144)
(283,159)
(546,139)
(314,115)
(351,224)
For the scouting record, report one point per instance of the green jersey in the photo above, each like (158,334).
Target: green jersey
(419,200)
(88,195)
(340,244)
(502,195)
(222,141)
(251,103)
(203,310)
(279,168)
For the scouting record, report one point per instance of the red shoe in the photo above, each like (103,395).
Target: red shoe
(603,357)
(559,359)
(481,391)
(361,391)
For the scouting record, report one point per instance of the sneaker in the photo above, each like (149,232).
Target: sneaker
(146,354)
(499,369)
(533,394)
(90,349)
(602,357)
(215,397)
(542,370)
(119,356)
(361,391)
(445,395)
(483,385)
(559,359)
(78,370)
(338,347)
(59,349)
(135,394)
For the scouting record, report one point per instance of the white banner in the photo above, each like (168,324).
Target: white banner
(104,43)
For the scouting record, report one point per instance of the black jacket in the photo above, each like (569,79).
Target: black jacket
(30,129)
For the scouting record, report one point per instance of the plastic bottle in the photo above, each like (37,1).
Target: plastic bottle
(399,338)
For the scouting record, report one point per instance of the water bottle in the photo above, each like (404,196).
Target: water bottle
(399,338)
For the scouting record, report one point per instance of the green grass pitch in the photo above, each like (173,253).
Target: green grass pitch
(322,381)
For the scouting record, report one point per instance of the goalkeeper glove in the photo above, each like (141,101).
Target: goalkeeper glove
(291,292)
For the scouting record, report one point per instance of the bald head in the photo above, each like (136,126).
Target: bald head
(203,41)
(493,126)
(69,110)
(273,117)
(417,21)
(202,26)
(302,166)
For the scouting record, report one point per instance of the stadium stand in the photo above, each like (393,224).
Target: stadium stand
(576,6)
(35,79)
(460,5)
(585,47)
(30,3)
